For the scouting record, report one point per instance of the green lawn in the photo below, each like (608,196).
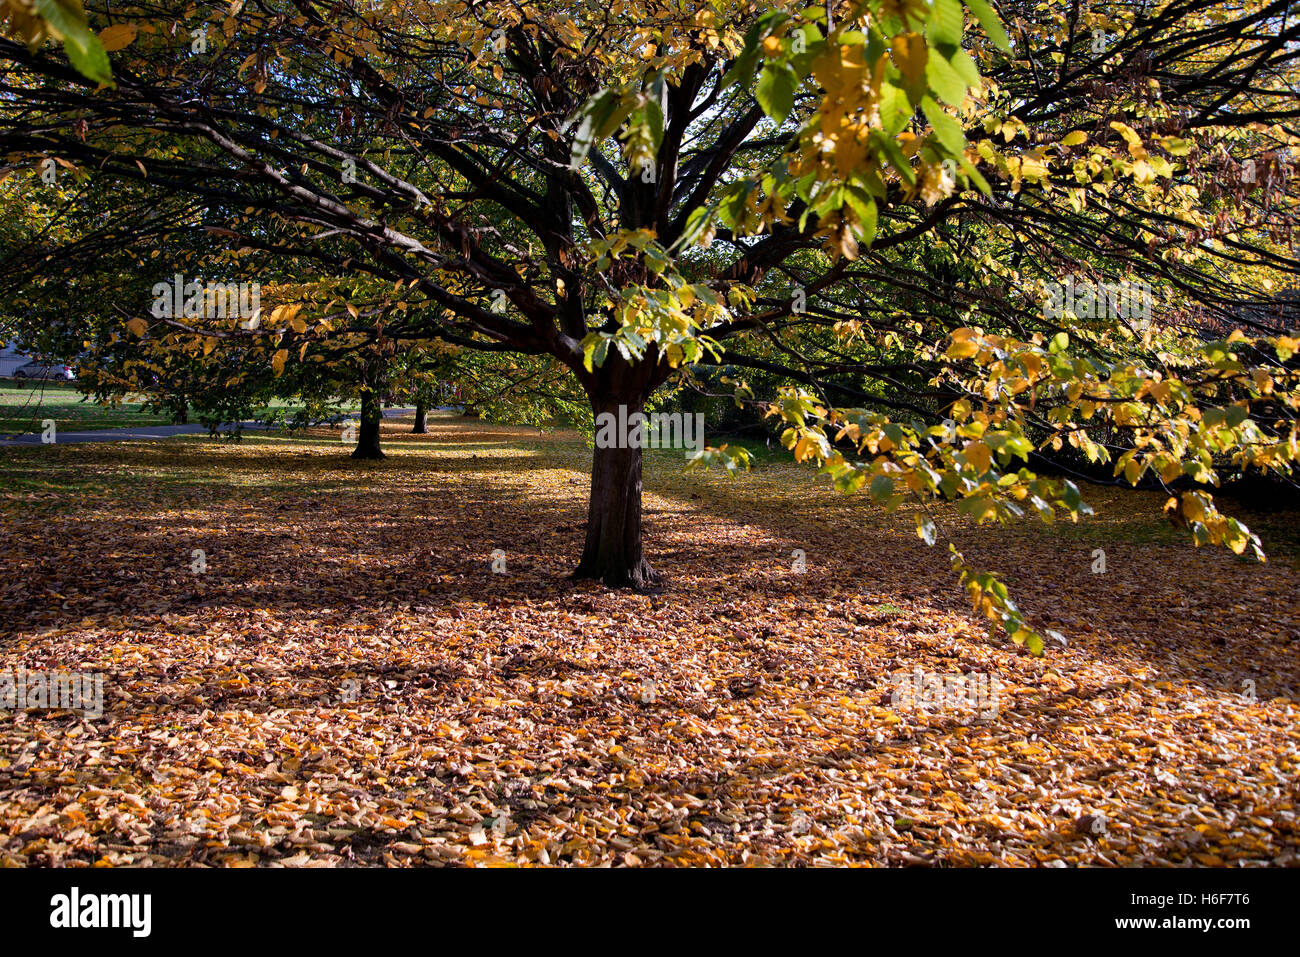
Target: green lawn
(24,404)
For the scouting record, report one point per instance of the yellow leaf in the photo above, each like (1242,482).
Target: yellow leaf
(963,345)
(284,313)
(980,456)
(278,360)
(1135,147)
(117,37)
(138,327)
(1175,145)
(910,55)
(805,448)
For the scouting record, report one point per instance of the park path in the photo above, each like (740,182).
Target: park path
(145,432)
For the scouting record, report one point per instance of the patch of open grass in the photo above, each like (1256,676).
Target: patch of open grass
(24,404)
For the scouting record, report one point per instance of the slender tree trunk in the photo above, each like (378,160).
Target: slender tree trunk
(368,438)
(421,425)
(612,553)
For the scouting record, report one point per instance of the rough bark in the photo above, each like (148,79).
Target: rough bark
(421,426)
(368,436)
(612,553)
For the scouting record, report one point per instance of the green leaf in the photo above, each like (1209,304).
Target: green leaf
(90,61)
(608,115)
(84,51)
(888,145)
(696,224)
(594,114)
(731,206)
(974,175)
(945,26)
(66,17)
(654,122)
(895,109)
(965,67)
(991,24)
(946,129)
(743,69)
(945,81)
(865,208)
(594,349)
(775,92)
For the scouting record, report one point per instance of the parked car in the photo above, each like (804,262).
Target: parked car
(44,370)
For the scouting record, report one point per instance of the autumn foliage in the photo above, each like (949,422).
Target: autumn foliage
(970,267)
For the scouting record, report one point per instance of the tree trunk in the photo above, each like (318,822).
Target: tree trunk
(421,426)
(368,438)
(612,553)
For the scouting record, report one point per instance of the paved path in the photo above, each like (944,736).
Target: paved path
(147,432)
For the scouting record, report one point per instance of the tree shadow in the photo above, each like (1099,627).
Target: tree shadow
(302,533)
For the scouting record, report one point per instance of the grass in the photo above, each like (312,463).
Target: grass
(25,403)
(761,452)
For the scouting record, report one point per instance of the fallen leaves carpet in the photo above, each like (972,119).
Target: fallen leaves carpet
(349,682)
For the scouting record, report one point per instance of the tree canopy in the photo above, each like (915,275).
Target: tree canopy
(958,252)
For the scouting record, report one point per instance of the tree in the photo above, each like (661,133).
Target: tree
(868,203)
(421,424)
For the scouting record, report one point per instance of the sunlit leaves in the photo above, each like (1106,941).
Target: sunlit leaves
(991,599)
(665,310)
(990,22)
(733,459)
(34,21)
(860,144)
(631,726)
(853,143)
(635,109)
(775,91)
